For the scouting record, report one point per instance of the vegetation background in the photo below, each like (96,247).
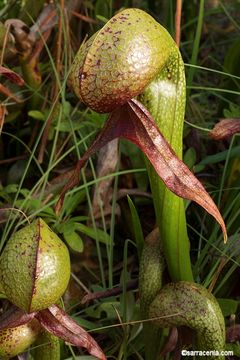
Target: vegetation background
(44,130)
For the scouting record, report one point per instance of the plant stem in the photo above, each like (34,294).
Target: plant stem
(178,22)
(196,43)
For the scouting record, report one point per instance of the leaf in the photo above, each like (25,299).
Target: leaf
(232,112)
(174,173)
(102,18)
(35,114)
(82,357)
(89,325)
(71,226)
(225,128)
(15,317)
(235,348)
(107,162)
(73,240)
(221,156)
(228,306)
(101,10)
(190,157)
(133,122)
(137,228)
(12,76)
(66,126)
(58,323)
(3,112)
(106,309)
(11,188)
(8,93)
(170,343)
(96,234)
(135,156)
(72,202)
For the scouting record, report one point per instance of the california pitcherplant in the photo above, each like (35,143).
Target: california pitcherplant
(34,273)
(133,70)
